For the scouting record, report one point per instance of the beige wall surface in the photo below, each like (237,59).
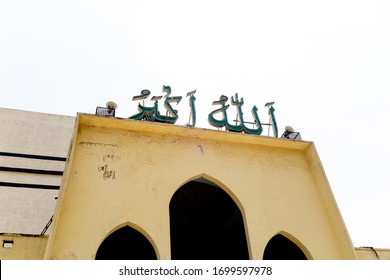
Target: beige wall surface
(27,210)
(125,172)
(32,132)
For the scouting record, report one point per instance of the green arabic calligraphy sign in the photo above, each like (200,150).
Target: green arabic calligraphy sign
(153,114)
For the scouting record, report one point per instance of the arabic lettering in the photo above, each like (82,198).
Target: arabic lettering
(240,127)
(145,113)
(213,121)
(152,114)
(192,120)
(271,112)
(144,94)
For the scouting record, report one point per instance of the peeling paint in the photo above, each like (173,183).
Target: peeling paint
(98,144)
(107,174)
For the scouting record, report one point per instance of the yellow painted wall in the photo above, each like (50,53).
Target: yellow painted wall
(25,247)
(122,172)
(369,253)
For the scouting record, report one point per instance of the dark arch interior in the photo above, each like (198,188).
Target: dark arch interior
(206,224)
(282,248)
(126,244)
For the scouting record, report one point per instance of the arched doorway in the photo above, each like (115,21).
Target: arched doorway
(206,224)
(126,243)
(280,247)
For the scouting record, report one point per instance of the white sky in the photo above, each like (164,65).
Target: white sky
(326,64)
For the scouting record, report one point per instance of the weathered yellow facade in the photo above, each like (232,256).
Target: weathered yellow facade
(123,172)
(22,247)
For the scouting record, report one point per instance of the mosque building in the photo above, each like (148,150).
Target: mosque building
(96,186)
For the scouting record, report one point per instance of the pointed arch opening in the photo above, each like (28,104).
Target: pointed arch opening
(126,243)
(206,224)
(280,247)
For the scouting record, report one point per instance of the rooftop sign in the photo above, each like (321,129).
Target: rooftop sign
(153,114)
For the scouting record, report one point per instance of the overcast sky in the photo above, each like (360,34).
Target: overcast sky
(326,64)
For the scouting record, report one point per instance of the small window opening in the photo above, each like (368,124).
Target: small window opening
(8,244)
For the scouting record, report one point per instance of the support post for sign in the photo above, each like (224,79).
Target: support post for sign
(269,105)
